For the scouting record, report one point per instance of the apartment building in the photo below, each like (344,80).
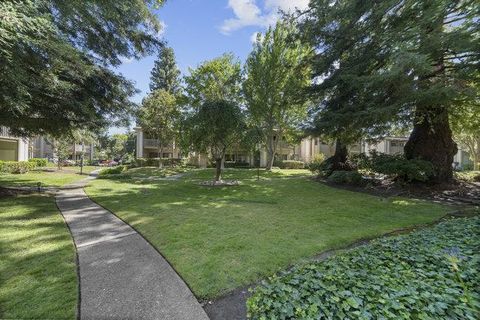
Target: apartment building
(43,147)
(13,148)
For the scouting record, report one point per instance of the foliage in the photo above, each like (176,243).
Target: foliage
(469,176)
(118,146)
(396,166)
(159,117)
(236,164)
(39,162)
(373,71)
(214,127)
(214,80)
(315,165)
(219,239)
(353,178)
(290,164)
(112,170)
(165,74)
(276,78)
(55,57)
(429,274)
(154,162)
(16,167)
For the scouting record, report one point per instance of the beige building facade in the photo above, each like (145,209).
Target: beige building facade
(13,148)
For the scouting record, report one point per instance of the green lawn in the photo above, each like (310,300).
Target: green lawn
(37,260)
(47,178)
(225,237)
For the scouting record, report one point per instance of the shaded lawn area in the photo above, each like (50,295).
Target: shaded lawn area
(37,260)
(47,178)
(225,237)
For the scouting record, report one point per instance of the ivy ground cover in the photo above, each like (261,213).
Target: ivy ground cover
(222,238)
(429,274)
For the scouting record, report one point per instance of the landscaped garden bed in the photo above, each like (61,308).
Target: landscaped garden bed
(429,274)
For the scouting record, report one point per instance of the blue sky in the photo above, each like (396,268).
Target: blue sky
(200,30)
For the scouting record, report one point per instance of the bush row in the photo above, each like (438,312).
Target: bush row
(39,162)
(289,164)
(153,162)
(16,166)
(236,164)
(429,274)
(112,170)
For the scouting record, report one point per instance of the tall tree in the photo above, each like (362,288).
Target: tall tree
(55,57)
(159,117)
(277,75)
(214,127)
(408,62)
(216,79)
(165,74)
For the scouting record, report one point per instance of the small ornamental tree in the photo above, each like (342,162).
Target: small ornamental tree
(159,117)
(213,127)
(276,78)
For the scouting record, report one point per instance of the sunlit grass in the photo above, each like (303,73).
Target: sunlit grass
(47,178)
(37,260)
(225,237)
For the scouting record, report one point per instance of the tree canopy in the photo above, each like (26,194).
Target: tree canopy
(165,74)
(277,76)
(380,63)
(55,57)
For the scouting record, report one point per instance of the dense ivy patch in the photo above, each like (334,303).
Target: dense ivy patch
(429,274)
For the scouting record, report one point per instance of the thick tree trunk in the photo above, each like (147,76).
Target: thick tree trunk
(431,140)
(218,171)
(339,160)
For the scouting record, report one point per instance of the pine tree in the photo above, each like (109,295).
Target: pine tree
(165,74)
(384,63)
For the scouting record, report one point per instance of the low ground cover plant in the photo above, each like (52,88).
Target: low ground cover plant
(353,178)
(154,162)
(39,162)
(469,176)
(429,274)
(112,170)
(290,164)
(315,165)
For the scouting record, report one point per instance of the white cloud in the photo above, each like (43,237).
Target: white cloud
(253,37)
(248,13)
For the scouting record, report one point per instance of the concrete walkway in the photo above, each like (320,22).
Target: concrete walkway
(121,275)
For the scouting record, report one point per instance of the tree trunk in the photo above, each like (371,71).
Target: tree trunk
(271,150)
(340,157)
(218,171)
(431,140)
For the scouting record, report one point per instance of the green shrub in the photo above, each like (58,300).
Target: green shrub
(316,165)
(236,164)
(153,162)
(353,178)
(112,170)
(39,162)
(290,164)
(16,166)
(429,274)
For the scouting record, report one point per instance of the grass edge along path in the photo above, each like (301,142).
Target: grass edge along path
(219,239)
(38,272)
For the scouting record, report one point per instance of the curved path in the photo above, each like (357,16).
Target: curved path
(121,275)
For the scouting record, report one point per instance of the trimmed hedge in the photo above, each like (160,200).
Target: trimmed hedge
(39,162)
(236,164)
(346,177)
(16,166)
(290,164)
(153,162)
(429,274)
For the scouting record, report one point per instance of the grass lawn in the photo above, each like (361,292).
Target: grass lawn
(47,178)
(225,237)
(37,260)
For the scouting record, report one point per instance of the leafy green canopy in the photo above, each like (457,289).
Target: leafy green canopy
(54,58)
(165,74)
(384,63)
(216,79)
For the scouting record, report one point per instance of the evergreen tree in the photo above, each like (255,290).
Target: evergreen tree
(165,74)
(55,57)
(381,63)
